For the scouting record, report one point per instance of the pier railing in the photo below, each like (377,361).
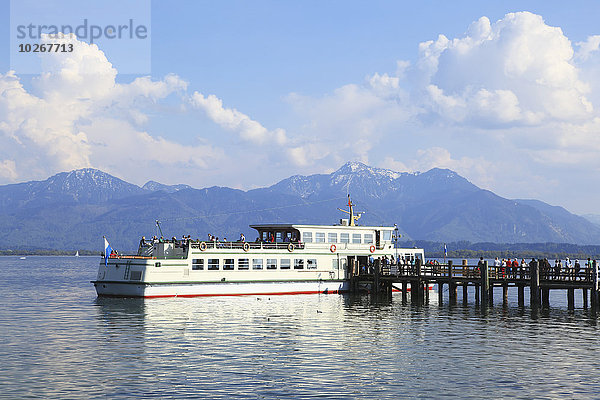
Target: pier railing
(563,274)
(540,277)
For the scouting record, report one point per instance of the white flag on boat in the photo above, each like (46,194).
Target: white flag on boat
(107,250)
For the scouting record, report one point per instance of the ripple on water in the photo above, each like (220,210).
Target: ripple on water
(60,341)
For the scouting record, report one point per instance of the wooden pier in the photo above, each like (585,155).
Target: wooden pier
(540,279)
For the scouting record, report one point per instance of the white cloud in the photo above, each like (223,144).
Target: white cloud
(76,115)
(233,120)
(516,71)
(478,169)
(8,170)
(587,48)
(503,103)
(506,102)
(350,122)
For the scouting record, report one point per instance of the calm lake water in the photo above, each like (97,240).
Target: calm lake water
(57,340)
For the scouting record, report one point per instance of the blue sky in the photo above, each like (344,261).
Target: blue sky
(245,93)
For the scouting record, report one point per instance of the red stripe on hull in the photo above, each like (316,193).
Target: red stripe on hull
(247,294)
(244,294)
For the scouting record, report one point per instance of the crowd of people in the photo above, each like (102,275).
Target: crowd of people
(146,245)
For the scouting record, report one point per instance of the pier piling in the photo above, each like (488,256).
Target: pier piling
(376,273)
(482,277)
(571,298)
(485,284)
(534,293)
(545,297)
(451,285)
(521,295)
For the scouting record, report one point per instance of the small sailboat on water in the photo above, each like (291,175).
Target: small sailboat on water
(77,253)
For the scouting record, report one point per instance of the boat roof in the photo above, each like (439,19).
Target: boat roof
(299,226)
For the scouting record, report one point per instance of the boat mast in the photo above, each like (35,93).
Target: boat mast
(351,213)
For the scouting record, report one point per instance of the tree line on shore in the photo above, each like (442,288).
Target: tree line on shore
(460,249)
(47,252)
(465,249)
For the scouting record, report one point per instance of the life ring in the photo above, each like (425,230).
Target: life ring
(290,247)
(333,248)
(202,246)
(372,249)
(246,246)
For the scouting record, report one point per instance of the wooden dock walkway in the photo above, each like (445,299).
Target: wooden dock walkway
(484,278)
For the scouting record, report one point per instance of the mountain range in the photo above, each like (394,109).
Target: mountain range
(73,210)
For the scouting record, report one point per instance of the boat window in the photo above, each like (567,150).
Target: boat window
(257,263)
(356,238)
(307,237)
(271,263)
(298,263)
(335,263)
(228,264)
(368,238)
(284,263)
(279,236)
(344,238)
(320,237)
(213,263)
(243,263)
(387,236)
(311,263)
(197,264)
(265,236)
(332,237)
(137,275)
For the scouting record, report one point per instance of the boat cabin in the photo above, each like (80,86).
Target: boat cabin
(380,237)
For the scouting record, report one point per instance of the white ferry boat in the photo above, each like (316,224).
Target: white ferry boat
(286,259)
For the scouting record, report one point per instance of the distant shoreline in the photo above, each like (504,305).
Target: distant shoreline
(470,254)
(465,249)
(11,252)
(456,253)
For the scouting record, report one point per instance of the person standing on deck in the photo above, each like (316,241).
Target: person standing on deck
(142,246)
(480,265)
(560,267)
(497,265)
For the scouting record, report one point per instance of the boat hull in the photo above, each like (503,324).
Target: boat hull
(195,289)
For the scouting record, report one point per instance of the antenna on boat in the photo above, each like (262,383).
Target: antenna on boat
(158,225)
(351,213)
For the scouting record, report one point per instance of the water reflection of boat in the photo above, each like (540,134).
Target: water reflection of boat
(285,259)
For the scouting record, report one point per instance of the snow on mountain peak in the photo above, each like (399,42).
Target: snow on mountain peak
(358,168)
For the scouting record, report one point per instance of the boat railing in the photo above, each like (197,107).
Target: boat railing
(246,245)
